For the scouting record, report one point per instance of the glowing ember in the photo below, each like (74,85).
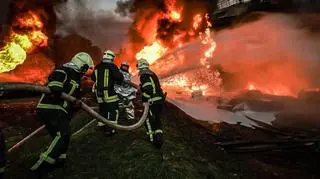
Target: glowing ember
(152,53)
(15,52)
(185,84)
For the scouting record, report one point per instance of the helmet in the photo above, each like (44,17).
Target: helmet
(142,63)
(109,55)
(81,59)
(125,66)
(125,63)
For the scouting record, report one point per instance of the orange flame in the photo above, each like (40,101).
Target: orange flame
(174,12)
(157,49)
(30,19)
(196,21)
(278,90)
(152,53)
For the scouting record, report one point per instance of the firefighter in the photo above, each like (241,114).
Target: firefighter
(2,154)
(152,92)
(56,113)
(126,92)
(105,75)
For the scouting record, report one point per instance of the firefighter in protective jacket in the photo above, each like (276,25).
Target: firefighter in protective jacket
(105,75)
(126,92)
(56,112)
(2,154)
(151,91)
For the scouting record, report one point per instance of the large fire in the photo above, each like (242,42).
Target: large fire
(23,41)
(270,72)
(160,46)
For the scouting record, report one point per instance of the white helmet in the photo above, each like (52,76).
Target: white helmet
(109,55)
(125,63)
(142,63)
(81,59)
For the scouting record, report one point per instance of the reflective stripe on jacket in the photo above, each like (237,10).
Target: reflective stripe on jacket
(150,87)
(61,80)
(106,74)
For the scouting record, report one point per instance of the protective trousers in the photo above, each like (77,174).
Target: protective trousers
(129,109)
(2,155)
(57,124)
(127,106)
(153,125)
(109,111)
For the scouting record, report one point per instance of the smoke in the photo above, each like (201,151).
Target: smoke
(276,49)
(277,54)
(94,21)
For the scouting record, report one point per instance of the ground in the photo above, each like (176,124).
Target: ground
(125,155)
(189,151)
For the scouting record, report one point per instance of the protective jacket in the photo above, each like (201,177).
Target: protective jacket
(65,80)
(106,74)
(150,87)
(125,90)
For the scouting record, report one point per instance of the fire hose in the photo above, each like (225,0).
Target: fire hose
(85,107)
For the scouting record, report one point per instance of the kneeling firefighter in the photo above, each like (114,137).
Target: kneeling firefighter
(126,92)
(105,75)
(151,91)
(56,113)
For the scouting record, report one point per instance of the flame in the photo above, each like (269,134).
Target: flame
(174,12)
(197,19)
(251,87)
(20,44)
(152,53)
(30,19)
(275,89)
(174,15)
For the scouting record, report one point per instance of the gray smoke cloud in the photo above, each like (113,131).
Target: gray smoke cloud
(91,20)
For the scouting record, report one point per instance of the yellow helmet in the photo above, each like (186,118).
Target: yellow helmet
(109,55)
(81,59)
(142,63)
